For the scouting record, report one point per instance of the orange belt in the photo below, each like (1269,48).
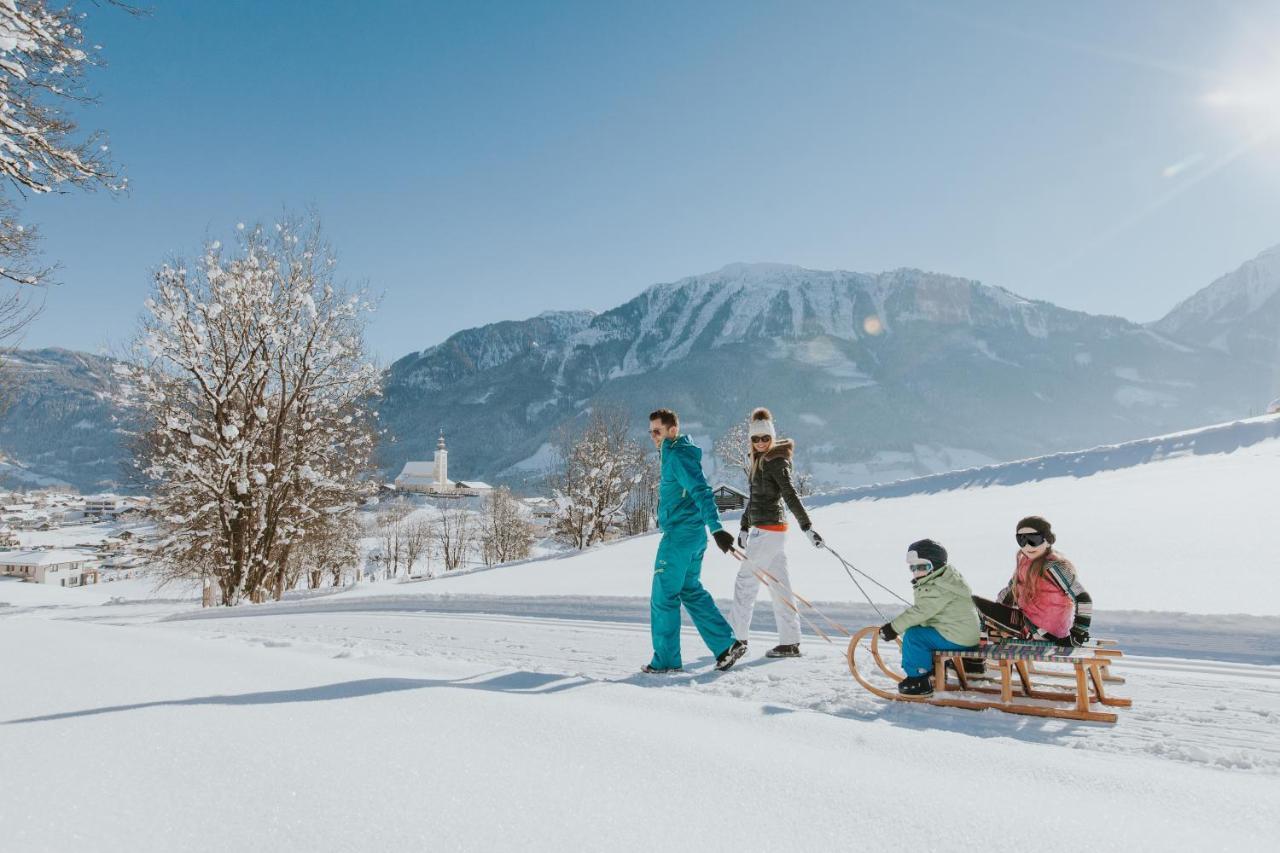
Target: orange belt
(776,528)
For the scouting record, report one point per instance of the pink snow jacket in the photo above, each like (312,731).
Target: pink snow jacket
(1059,602)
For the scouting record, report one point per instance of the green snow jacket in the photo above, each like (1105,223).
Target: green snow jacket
(943,601)
(685,501)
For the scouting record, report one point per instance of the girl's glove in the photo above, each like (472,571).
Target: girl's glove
(1079,636)
(887,633)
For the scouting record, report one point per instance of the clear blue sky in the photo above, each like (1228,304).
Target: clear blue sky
(483,161)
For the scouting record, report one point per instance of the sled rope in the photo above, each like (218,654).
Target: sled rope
(789,597)
(848,566)
(807,603)
(786,599)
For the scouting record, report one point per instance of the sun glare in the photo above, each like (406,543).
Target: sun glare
(1252,100)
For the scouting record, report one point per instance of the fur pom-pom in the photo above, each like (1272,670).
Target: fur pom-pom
(761,414)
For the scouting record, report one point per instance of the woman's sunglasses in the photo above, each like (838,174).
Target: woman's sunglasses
(1035,540)
(760,439)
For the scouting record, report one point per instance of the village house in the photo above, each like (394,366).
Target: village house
(58,567)
(102,506)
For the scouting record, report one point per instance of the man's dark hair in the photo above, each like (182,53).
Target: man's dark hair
(668,417)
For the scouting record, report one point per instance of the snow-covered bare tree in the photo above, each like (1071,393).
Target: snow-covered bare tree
(595,473)
(417,537)
(17,309)
(252,380)
(42,65)
(733,451)
(328,549)
(505,532)
(640,513)
(391,536)
(454,532)
(804,482)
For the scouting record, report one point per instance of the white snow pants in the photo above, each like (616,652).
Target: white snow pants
(766,550)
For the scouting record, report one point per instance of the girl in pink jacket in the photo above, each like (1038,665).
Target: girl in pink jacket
(1044,600)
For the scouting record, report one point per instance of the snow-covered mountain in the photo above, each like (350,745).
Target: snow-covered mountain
(878,376)
(60,426)
(1237,314)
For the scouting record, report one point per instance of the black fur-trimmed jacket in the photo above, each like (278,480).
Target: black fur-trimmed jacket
(770,486)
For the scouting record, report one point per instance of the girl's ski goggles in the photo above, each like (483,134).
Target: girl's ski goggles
(1035,540)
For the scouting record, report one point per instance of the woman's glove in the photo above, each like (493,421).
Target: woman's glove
(742,538)
(1079,636)
(887,633)
(813,537)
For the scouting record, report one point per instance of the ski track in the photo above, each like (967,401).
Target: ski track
(1222,715)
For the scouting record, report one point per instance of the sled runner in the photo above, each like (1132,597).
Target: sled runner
(1016,692)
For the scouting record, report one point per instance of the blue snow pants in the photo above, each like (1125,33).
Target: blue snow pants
(677,579)
(919,644)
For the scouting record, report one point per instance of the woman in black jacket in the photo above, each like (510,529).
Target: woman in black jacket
(764,535)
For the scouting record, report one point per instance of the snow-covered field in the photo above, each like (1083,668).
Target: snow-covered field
(501,709)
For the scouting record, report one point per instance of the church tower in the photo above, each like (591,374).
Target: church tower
(442,463)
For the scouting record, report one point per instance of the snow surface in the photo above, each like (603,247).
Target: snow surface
(501,709)
(402,731)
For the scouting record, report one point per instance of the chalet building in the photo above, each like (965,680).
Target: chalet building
(728,498)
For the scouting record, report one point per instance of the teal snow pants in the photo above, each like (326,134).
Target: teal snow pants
(677,579)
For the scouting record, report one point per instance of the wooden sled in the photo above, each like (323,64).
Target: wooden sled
(1086,665)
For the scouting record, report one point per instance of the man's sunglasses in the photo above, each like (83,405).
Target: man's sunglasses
(1035,540)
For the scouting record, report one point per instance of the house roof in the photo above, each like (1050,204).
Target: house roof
(418,469)
(42,558)
(725,487)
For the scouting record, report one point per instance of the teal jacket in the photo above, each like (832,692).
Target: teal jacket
(945,602)
(685,501)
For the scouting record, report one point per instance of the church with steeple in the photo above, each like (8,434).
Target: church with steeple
(432,478)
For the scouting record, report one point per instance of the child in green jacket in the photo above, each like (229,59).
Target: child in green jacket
(943,616)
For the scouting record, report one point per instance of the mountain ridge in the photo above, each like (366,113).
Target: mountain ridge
(879,375)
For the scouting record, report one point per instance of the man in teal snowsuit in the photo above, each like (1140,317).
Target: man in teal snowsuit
(685,507)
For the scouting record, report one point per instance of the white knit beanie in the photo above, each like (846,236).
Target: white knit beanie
(762,424)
